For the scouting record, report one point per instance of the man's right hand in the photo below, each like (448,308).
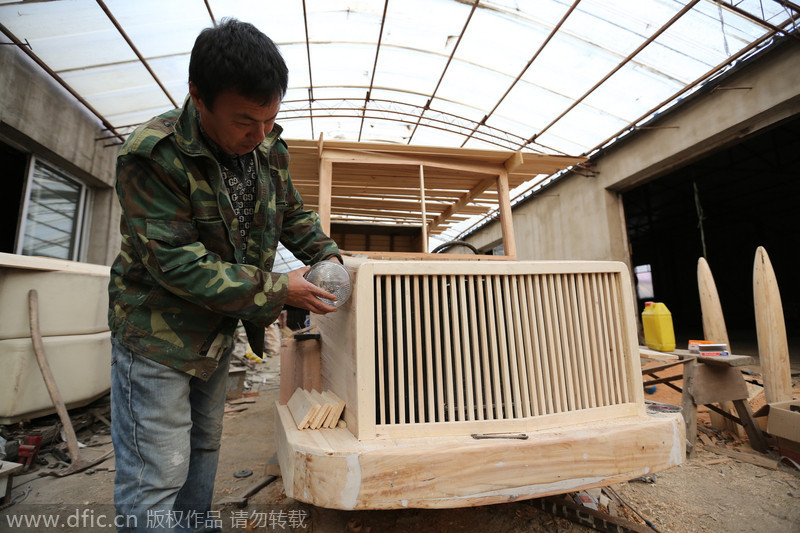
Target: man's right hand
(306,295)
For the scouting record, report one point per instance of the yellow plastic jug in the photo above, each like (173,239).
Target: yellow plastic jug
(657,323)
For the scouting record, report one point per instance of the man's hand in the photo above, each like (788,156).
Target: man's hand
(304,294)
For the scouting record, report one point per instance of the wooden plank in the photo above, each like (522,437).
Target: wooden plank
(549,395)
(773,347)
(566,346)
(325,183)
(494,356)
(467,349)
(447,361)
(423,209)
(420,368)
(510,321)
(553,347)
(303,408)
(571,313)
(506,218)
(426,304)
(503,353)
(586,343)
(476,349)
(518,351)
(290,375)
(716,384)
(381,381)
(540,403)
(324,410)
(455,306)
(527,345)
(408,350)
(337,407)
(437,349)
(486,368)
(745,457)
(310,353)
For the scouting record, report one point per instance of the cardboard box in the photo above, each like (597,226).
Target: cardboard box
(784,424)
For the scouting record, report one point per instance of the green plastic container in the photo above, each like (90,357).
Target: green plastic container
(658,331)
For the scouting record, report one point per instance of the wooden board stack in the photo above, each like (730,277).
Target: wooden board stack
(315,410)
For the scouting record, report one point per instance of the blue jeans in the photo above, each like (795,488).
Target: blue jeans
(166,427)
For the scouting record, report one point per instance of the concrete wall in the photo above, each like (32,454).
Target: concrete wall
(42,118)
(582,217)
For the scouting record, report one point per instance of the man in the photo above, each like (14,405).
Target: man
(206,196)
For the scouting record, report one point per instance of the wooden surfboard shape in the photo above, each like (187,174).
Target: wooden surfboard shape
(713,320)
(714,330)
(773,347)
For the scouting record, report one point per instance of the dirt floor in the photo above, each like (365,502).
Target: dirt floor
(711,492)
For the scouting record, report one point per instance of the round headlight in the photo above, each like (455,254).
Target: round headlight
(333,278)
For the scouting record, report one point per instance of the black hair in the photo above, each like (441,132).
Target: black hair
(237,56)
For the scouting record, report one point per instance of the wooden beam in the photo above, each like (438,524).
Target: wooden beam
(422,206)
(325,186)
(477,190)
(513,162)
(506,223)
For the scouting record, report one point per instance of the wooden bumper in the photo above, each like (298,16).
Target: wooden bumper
(330,468)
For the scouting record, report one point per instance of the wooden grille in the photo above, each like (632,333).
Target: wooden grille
(452,348)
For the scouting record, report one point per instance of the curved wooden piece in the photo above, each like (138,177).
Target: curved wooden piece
(713,320)
(773,347)
(714,330)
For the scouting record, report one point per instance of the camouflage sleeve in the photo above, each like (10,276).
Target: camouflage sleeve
(302,233)
(157,212)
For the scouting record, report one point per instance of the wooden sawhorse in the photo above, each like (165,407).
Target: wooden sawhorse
(708,380)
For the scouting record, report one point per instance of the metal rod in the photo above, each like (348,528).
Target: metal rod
(374,68)
(60,81)
(624,62)
(525,69)
(310,79)
(444,71)
(135,50)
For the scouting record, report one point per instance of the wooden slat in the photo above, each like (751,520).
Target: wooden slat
(503,347)
(476,348)
(408,351)
(566,346)
(517,286)
(381,385)
(437,353)
(549,395)
(494,356)
(466,350)
(485,355)
(426,303)
(577,343)
(553,354)
(586,342)
(399,351)
(448,350)
(537,383)
(511,352)
(390,350)
(420,380)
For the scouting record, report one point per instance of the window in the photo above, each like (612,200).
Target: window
(644,282)
(52,213)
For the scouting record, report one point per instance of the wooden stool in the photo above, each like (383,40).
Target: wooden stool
(7,470)
(714,379)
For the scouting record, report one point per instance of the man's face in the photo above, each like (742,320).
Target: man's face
(237,124)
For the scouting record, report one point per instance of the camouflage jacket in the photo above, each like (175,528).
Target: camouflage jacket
(182,281)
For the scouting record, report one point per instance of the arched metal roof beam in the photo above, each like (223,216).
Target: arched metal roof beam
(135,50)
(374,67)
(625,61)
(444,71)
(524,70)
(106,124)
